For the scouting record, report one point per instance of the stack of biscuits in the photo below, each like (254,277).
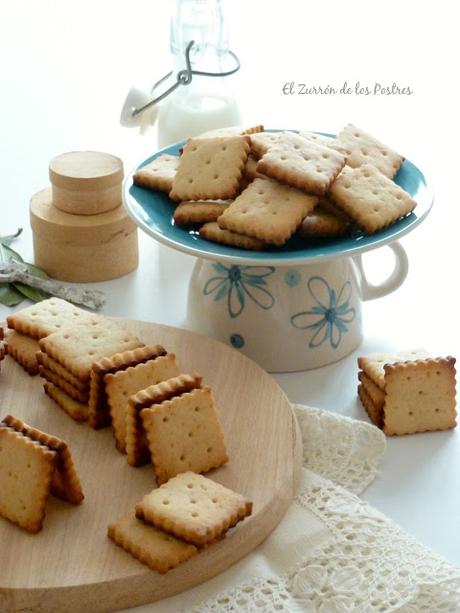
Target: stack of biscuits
(408,392)
(178,519)
(254,189)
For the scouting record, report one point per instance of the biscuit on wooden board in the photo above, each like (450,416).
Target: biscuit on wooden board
(193,508)
(33,464)
(119,386)
(210,168)
(137,447)
(268,211)
(76,410)
(302,163)
(184,433)
(99,409)
(23,349)
(50,364)
(46,317)
(79,346)
(157,549)
(65,386)
(158,174)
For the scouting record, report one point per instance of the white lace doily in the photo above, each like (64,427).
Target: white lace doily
(333,552)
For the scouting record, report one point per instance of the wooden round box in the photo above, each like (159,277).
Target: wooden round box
(82,248)
(86,182)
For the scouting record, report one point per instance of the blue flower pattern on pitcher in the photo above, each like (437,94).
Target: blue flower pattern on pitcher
(328,319)
(236,283)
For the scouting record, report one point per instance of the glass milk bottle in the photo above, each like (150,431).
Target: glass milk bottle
(206,103)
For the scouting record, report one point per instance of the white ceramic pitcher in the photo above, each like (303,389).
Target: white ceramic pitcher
(287,318)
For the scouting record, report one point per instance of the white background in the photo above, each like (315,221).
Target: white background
(64,70)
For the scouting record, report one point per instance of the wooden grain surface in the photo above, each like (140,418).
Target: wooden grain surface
(71,565)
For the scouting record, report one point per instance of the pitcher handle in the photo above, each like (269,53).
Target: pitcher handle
(395,280)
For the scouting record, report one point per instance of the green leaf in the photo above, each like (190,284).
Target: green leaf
(7,254)
(9,296)
(33,293)
(7,240)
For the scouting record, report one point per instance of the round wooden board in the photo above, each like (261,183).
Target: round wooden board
(71,565)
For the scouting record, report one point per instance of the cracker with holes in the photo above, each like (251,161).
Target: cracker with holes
(157,549)
(301,163)
(158,174)
(23,349)
(210,168)
(46,317)
(194,508)
(370,199)
(418,392)
(184,433)
(33,464)
(363,149)
(199,212)
(268,211)
(77,347)
(99,408)
(137,447)
(211,232)
(121,385)
(326,221)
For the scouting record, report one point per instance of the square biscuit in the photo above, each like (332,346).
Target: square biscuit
(369,198)
(137,448)
(120,385)
(76,410)
(46,317)
(99,409)
(199,212)
(211,232)
(77,347)
(23,349)
(362,149)
(420,396)
(157,549)
(210,168)
(158,174)
(26,469)
(193,508)
(184,434)
(302,163)
(65,482)
(268,211)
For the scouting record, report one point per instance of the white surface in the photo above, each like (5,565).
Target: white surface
(65,70)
